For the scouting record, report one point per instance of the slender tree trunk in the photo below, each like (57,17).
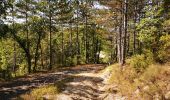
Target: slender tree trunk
(62,38)
(128,43)
(36,53)
(47,58)
(14,67)
(125,34)
(77,38)
(87,42)
(116,48)
(50,17)
(71,42)
(112,48)
(119,46)
(71,37)
(28,56)
(139,43)
(134,33)
(99,49)
(41,53)
(94,46)
(86,36)
(27,37)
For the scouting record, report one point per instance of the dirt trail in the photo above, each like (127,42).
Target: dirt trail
(81,83)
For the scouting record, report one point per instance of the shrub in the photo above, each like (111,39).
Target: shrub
(164,52)
(140,63)
(38,93)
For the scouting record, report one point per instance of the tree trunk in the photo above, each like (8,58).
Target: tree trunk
(14,67)
(50,17)
(62,38)
(41,53)
(99,49)
(134,33)
(77,39)
(29,62)
(36,53)
(27,37)
(86,36)
(119,46)
(94,49)
(87,42)
(116,48)
(71,42)
(125,34)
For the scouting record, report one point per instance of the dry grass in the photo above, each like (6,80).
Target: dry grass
(48,92)
(153,83)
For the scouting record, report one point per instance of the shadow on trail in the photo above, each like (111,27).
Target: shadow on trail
(83,87)
(15,88)
(21,86)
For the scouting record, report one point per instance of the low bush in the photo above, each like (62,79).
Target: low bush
(164,52)
(140,62)
(38,93)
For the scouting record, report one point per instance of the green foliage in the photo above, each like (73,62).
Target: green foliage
(80,33)
(166,26)
(71,61)
(153,34)
(6,58)
(3,59)
(164,52)
(140,63)
(6,54)
(148,30)
(21,71)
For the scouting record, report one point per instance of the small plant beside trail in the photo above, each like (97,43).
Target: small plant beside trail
(41,93)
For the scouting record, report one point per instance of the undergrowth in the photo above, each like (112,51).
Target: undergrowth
(150,83)
(41,93)
(38,93)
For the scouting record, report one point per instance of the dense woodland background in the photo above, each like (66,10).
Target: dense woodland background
(37,35)
(76,40)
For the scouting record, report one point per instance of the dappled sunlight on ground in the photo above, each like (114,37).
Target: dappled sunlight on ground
(81,82)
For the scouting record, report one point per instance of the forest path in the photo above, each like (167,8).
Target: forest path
(81,83)
(84,83)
